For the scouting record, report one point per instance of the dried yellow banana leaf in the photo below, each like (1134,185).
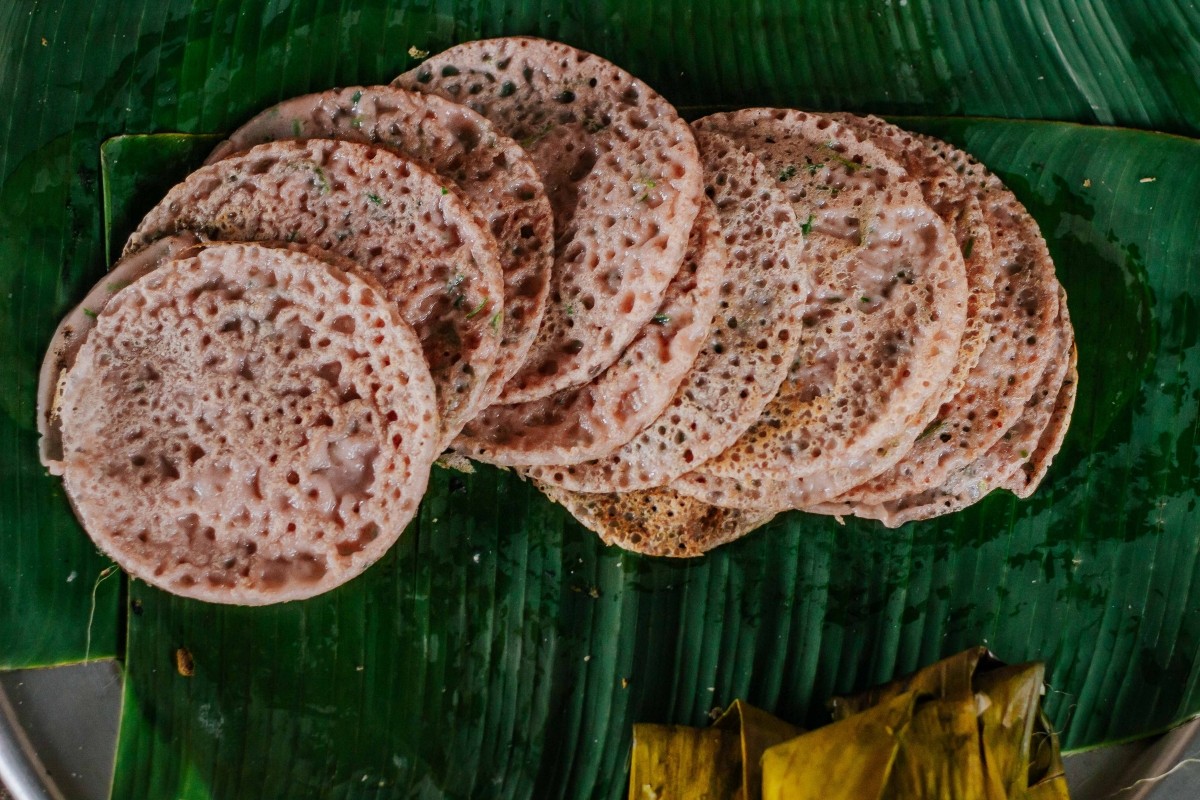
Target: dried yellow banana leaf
(673,761)
(758,731)
(1047,778)
(1010,701)
(676,762)
(950,679)
(1051,789)
(966,728)
(975,732)
(850,759)
(938,755)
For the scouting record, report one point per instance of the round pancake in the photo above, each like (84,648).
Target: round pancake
(623,177)
(461,147)
(656,522)
(248,425)
(73,331)
(597,418)
(433,256)
(1025,481)
(1029,444)
(953,200)
(1051,431)
(1023,319)
(752,340)
(882,329)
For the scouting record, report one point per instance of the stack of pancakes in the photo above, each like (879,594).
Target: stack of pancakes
(518,253)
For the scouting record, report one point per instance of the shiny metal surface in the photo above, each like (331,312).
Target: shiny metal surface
(58,731)
(1165,767)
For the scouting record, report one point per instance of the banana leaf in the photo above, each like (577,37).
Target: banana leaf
(1094,575)
(722,762)
(938,756)
(758,731)
(786,618)
(138,170)
(967,728)
(852,758)
(1013,714)
(674,762)
(951,678)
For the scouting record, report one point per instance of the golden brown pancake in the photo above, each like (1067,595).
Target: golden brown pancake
(657,522)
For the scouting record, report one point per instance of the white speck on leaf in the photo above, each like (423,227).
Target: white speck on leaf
(210,720)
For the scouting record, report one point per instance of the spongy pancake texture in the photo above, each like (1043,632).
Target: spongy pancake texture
(882,327)
(621,171)
(73,331)
(248,425)
(951,198)
(657,522)
(465,150)
(1024,322)
(753,338)
(597,418)
(434,258)
(1017,461)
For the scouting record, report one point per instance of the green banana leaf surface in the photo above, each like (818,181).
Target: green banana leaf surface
(500,650)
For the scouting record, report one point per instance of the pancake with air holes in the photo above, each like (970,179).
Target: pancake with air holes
(399,223)
(751,342)
(1024,321)
(599,417)
(73,331)
(657,522)
(623,176)
(882,328)
(1017,461)
(248,425)
(463,149)
(1024,481)
(953,199)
